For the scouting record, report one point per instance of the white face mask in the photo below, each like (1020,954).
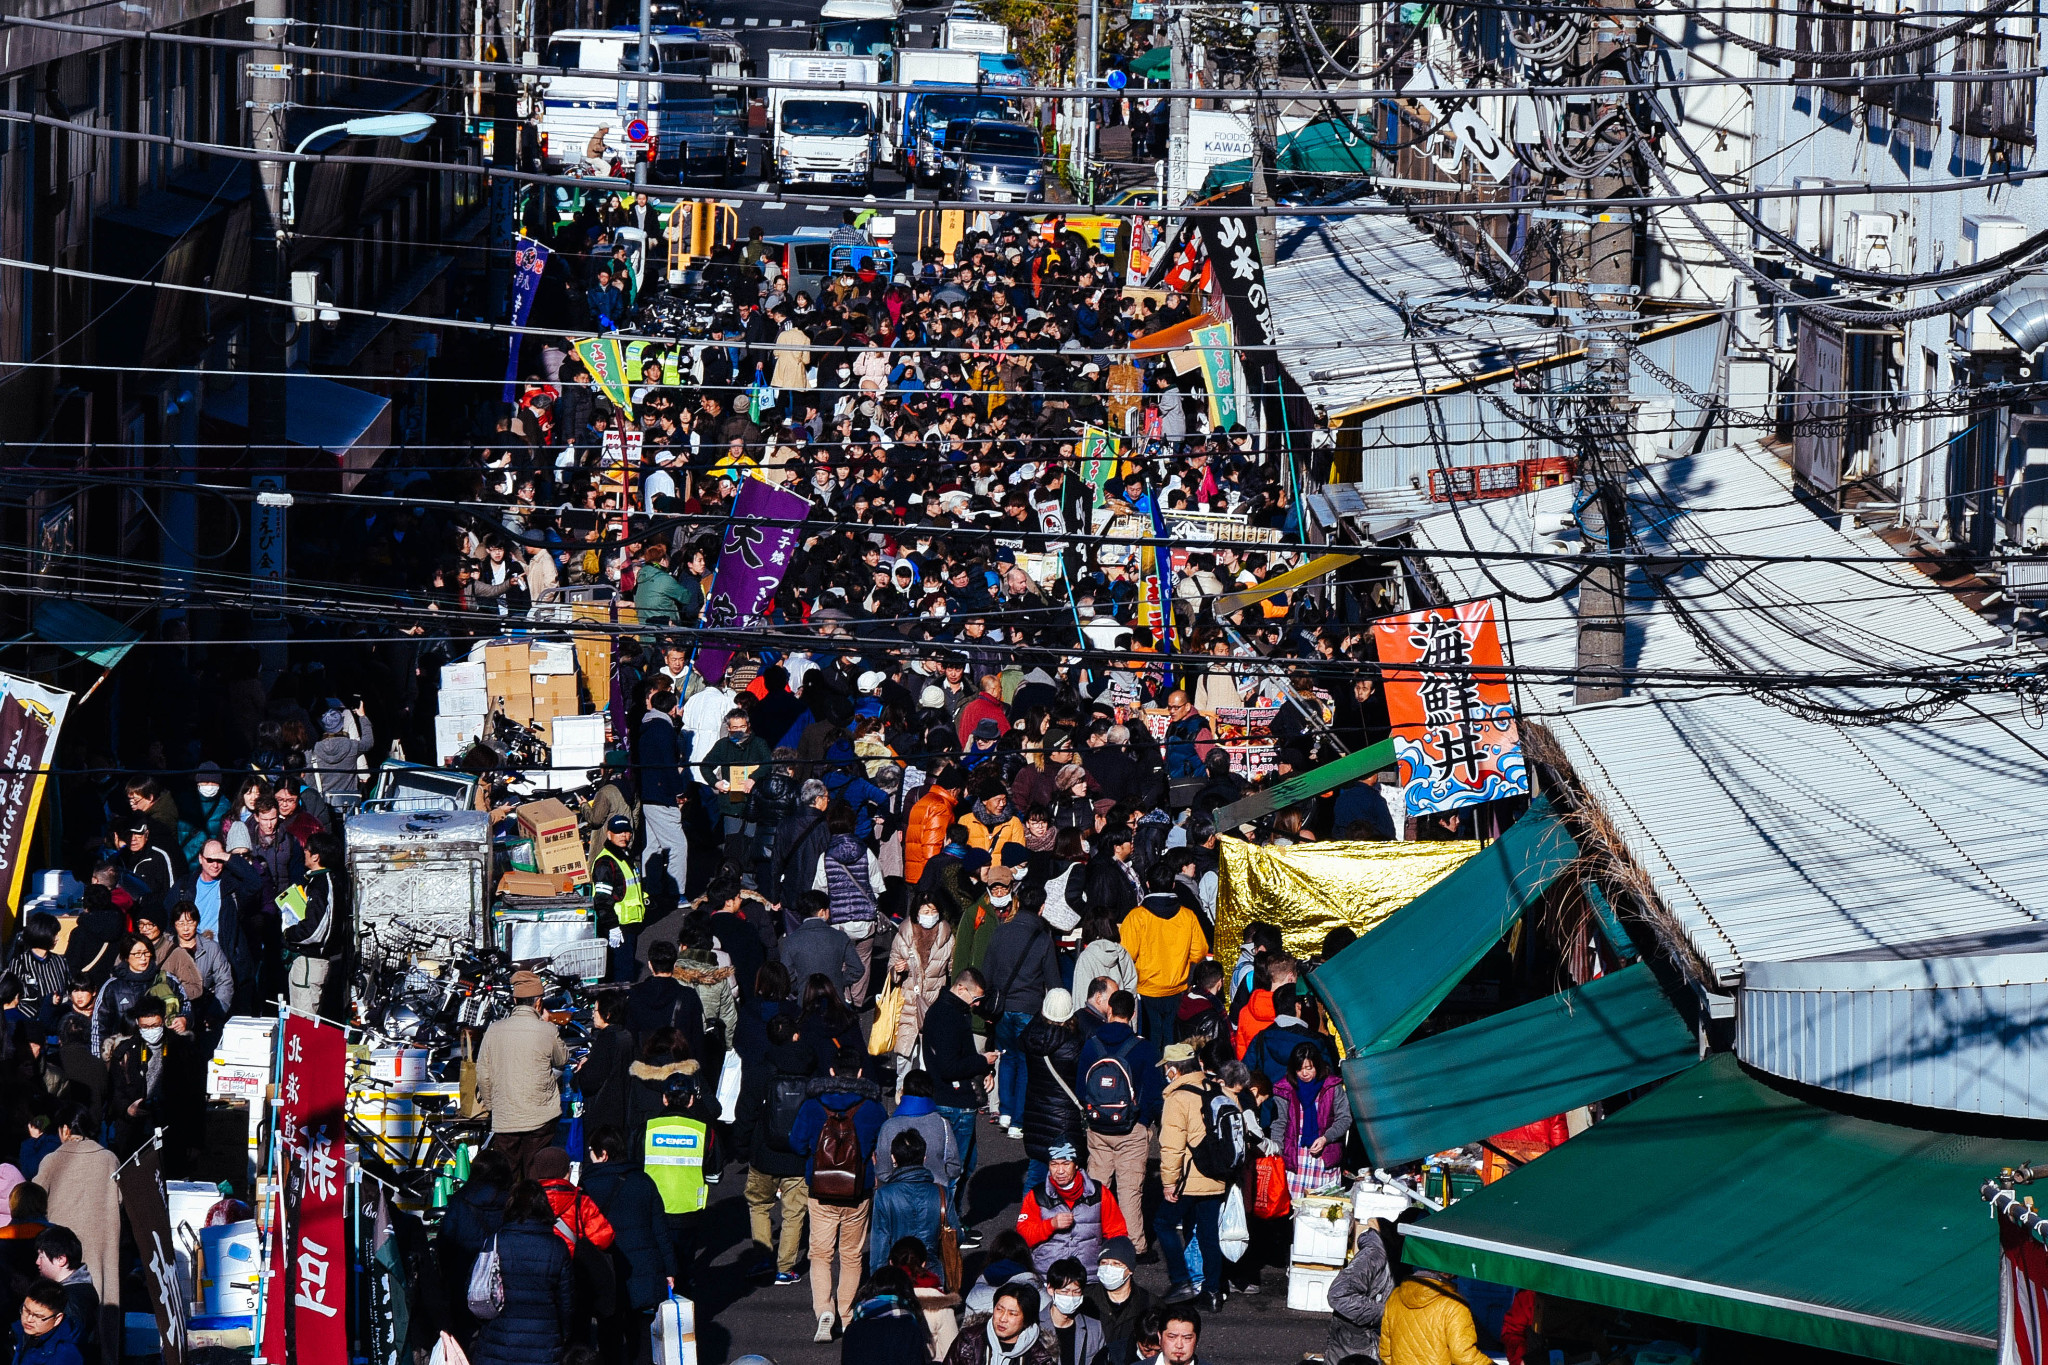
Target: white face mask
(1067,1304)
(999,900)
(153,1036)
(1112,1275)
(209,790)
(928,919)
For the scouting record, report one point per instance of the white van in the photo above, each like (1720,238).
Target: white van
(694,132)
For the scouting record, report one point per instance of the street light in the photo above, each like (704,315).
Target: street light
(404,127)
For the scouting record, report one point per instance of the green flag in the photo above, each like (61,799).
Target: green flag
(605,358)
(1219,373)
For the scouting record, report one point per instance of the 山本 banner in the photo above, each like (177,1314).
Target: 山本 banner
(1448,701)
(766,522)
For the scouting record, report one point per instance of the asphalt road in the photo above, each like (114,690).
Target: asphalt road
(737,1315)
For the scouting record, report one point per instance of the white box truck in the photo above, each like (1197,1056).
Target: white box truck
(862,28)
(830,137)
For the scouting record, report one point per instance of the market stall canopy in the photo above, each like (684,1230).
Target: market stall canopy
(1614,1033)
(77,629)
(1170,338)
(1720,1201)
(1154,65)
(1381,988)
(1323,148)
(319,414)
(1306,890)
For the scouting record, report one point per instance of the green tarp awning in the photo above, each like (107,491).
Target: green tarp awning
(1381,988)
(1719,1200)
(1154,65)
(1322,148)
(93,636)
(1542,1058)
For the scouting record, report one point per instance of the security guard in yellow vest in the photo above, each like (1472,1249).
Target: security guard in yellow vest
(674,1153)
(618,897)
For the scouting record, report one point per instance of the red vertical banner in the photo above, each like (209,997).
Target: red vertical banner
(2022,1296)
(1448,701)
(305,1305)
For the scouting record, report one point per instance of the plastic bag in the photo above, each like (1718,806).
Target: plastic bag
(447,1351)
(1269,1188)
(1233,1230)
(728,1087)
(888,1011)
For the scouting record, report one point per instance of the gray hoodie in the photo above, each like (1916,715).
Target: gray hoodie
(334,760)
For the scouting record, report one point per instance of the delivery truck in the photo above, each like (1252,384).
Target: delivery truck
(828,137)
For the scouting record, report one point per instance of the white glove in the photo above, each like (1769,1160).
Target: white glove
(616,937)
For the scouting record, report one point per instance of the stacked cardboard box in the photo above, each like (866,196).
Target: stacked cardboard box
(459,718)
(557,842)
(554,695)
(508,681)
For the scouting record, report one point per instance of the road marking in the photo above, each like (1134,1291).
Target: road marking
(774,204)
(761,188)
(726,22)
(775,23)
(816,208)
(753,22)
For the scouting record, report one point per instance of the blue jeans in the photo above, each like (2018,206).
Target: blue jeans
(961,1121)
(1035,1172)
(1167,1226)
(1156,1015)
(1014,1067)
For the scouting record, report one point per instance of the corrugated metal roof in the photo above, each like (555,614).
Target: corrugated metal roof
(1337,293)
(1801,617)
(1774,838)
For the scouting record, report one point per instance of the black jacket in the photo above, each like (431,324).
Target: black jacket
(1020,964)
(1112,890)
(641,1255)
(662,1002)
(769,1151)
(1050,1114)
(602,1078)
(539,1288)
(956,1066)
(474,1214)
(799,841)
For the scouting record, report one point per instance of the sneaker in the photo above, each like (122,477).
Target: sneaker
(788,1277)
(824,1332)
(970,1240)
(1002,1120)
(1016,1132)
(1181,1293)
(1247,1289)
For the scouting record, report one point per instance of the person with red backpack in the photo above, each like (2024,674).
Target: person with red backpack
(1121,1087)
(837,1128)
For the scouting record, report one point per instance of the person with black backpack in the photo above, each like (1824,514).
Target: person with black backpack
(836,1128)
(1202,1151)
(775,1170)
(1121,1088)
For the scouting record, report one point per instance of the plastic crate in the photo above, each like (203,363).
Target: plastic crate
(582,961)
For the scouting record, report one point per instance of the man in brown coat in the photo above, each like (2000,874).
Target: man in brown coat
(79,1179)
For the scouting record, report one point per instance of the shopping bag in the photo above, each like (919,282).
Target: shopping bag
(949,1249)
(1233,1230)
(888,1010)
(447,1351)
(674,1334)
(1269,1188)
(728,1087)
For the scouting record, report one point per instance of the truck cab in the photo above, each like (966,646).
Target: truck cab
(862,28)
(926,117)
(690,132)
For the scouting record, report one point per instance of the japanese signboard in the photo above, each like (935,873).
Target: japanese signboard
(606,361)
(1219,375)
(1098,460)
(141,1182)
(30,717)
(1453,720)
(529,261)
(305,1302)
(766,523)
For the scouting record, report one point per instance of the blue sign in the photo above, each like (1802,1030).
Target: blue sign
(1142,11)
(636,131)
(1116,80)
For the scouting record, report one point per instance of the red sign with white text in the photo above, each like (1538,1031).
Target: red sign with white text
(305,1307)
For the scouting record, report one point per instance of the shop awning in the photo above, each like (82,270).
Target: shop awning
(1585,1044)
(346,422)
(1324,148)
(1154,65)
(1381,988)
(1718,1200)
(77,629)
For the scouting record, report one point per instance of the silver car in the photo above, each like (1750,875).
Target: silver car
(989,162)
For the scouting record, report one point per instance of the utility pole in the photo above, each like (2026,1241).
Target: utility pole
(1609,429)
(1092,46)
(270,100)
(646,65)
(1177,109)
(1265,137)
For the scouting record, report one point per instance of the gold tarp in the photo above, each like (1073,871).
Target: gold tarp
(1306,890)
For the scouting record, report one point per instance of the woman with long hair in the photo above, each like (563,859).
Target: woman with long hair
(1313,1121)
(920,964)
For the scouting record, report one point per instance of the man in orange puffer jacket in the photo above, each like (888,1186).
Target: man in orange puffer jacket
(1258,1011)
(924,835)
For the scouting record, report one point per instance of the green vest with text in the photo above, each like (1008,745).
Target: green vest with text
(632,906)
(674,1157)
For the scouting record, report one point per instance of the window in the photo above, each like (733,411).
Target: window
(1836,27)
(566,53)
(2001,108)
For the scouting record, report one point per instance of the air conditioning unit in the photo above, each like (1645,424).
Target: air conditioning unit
(1985,235)
(2026,487)
(1866,239)
(1813,217)
(1774,210)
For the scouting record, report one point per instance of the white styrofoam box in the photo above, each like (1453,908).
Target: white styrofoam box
(186,1201)
(462,675)
(464,701)
(1322,1229)
(674,1333)
(577,741)
(1372,1200)
(247,1040)
(454,734)
(529,937)
(398,1064)
(233,1252)
(553,656)
(225,1082)
(1308,1287)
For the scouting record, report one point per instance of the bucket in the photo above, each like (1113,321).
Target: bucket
(232,1253)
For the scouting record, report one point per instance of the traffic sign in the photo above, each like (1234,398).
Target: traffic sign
(636,131)
(1143,11)
(1116,80)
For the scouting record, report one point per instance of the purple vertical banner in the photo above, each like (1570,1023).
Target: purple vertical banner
(529,260)
(765,525)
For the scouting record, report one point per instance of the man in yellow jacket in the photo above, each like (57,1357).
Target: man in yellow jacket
(1427,1323)
(1164,939)
(1189,1195)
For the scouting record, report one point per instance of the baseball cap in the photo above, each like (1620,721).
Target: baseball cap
(869,681)
(1173,1052)
(526,986)
(619,824)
